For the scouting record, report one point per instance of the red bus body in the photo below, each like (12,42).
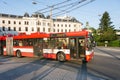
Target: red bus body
(50,52)
(53,52)
(27,51)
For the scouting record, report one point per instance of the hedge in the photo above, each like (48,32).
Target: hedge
(115,43)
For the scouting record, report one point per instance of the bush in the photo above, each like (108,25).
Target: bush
(115,43)
(100,44)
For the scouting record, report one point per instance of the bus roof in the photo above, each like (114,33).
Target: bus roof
(70,34)
(83,33)
(79,33)
(2,37)
(31,36)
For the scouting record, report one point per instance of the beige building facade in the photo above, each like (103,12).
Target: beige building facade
(37,23)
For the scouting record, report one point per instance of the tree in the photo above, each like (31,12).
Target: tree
(106,29)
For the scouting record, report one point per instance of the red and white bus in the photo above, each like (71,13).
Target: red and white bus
(24,45)
(69,46)
(59,46)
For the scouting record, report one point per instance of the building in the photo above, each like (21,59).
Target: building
(37,22)
(118,34)
(88,27)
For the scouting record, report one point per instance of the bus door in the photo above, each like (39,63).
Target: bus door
(81,48)
(9,46)
(77,48)
(73,48)
(38,47)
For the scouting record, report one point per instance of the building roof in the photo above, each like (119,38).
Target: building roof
(10,16)
(41,15)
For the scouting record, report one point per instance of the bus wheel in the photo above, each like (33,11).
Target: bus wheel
(18,54)
(61,56)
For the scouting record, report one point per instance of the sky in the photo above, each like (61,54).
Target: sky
(91,12)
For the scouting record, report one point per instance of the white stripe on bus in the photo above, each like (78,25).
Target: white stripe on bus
(55,51)
(22,49)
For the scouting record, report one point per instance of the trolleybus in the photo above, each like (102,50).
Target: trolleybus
(60,46)
(69,46)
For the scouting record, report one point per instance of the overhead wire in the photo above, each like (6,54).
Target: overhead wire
(68,10)
(53,5)
(66,5)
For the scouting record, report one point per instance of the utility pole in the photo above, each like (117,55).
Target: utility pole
(51,20)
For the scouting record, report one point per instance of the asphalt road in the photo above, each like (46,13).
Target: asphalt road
(106,63)
(105,66)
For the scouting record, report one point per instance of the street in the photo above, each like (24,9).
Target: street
(104,66)
(106,63)
(12,68)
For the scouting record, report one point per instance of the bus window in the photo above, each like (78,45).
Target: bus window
(15,43)
(20,43)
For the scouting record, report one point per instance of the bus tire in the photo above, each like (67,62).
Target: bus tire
(61,56)
(18,54)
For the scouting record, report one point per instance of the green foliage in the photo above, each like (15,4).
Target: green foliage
(106,30)
(115,43)
(100,44)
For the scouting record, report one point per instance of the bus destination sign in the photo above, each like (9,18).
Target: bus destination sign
(58,35)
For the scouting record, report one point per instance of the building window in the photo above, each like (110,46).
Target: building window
(27,23)
(43,29)
(61,25)
(3,28)
(19,23)
(61,30)
(69,25)
(14,22)
(65,30)
(39,23)
(74,25)
(49,29)
(54,25)
(65,25)
(74,29)
(9,28)
(58,30)
(53,30)
(3,21)
(69,30)
(32,29)
(19,28)
(38,29)
(58,25)
(26,28)
(48,24)
(14,28)
(8,22)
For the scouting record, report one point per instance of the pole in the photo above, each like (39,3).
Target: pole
(51,21)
